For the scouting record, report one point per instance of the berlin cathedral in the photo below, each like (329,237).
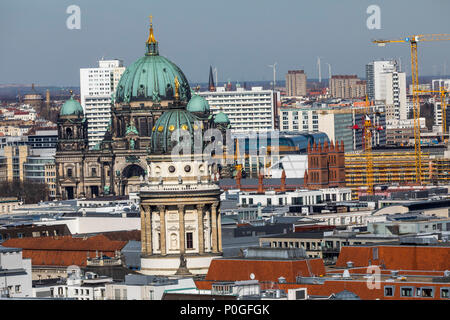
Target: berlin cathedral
(148,88)
(179,194)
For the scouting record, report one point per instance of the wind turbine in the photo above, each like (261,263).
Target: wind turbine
(320,72)
(274,67)
(329,71)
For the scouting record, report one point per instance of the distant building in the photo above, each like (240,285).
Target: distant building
(296,83)
(96,88)
(247,110)
(386,83)
(347,87)
(326,166)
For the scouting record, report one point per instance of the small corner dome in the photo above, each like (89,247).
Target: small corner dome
(221,118)
(71,107)
(198,104)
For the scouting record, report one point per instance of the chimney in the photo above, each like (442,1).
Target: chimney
(283,181)
(238,179)
(305,178)
(260,182)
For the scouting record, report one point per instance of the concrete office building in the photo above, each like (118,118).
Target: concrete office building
(96,87)
(385,83)
(247,110)
(296,83)
(347,87)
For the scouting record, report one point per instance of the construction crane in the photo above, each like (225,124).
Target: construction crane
(367,128)
(413,40)
(442,92)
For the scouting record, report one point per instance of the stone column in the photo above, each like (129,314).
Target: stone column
(181,228)
(219,230)
(201,234)
(162,223)
(214,227)
(143,230)
(148,229)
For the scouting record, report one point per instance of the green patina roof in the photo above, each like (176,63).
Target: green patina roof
(152,77)
(71,107)
(198,104)
(169,122)
(221,118)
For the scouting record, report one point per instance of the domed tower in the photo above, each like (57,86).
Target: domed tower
(71,146)
(145,90)
(180,217)
(72,127)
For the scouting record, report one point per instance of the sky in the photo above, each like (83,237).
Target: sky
(240,38)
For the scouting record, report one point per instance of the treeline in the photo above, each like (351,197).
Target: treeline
(28,192)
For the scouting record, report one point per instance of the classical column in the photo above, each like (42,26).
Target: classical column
(143,231)
(148,230)
(219,229)
(162,223)
(214,227)
(201,234)
(181,228)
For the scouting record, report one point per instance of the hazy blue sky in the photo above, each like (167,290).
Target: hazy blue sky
(240,37)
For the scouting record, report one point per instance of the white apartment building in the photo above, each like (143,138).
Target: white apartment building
(247,110)
(96,88)
(15,274)
(385,83)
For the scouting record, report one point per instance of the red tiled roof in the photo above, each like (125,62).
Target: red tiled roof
(64,250)
(264,270)
(398,257)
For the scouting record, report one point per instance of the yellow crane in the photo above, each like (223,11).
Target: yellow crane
(413,40)
(368,148)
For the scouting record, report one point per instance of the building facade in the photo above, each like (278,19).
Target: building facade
(247,110)
(347,87)
(296,83)
(97,85)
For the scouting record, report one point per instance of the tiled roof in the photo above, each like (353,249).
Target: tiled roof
(263,270)
(65,250)
(431,258)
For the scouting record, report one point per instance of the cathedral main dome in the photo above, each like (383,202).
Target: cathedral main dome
(151,78)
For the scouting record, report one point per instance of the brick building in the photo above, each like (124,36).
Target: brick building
(326,166)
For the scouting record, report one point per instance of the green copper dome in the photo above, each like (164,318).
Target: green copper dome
(198,104)
(152,78)
(169,122)
(221,118)
(71,107)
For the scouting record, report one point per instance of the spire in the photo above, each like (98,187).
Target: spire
(211,85)
(152,44)
(342,145)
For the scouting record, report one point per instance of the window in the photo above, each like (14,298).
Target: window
(406,291)
(389,291)
(69,172)
(18,289)
(189,240)
(425,292)
(269,202)
(445,293)
(375,253)
(152,295)
(93,172)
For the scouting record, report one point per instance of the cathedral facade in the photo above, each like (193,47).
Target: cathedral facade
(118,165)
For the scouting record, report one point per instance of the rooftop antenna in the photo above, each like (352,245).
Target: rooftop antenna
(274,67)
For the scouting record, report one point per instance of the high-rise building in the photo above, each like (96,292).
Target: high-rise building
(247,110)
(96,88)
(385,83)
(347,87)
(296,83)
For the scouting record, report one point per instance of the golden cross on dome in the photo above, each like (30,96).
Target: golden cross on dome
(177,86)
(151,37)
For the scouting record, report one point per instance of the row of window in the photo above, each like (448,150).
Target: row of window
(422,292)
